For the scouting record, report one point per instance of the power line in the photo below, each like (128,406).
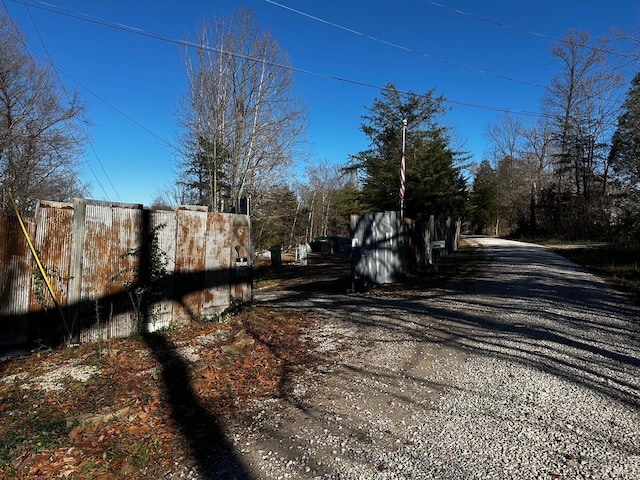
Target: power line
(116,109)
(104,23)
(440,59)
(444,60)
(20,37)
(520,29)
(189,44)
(406,49)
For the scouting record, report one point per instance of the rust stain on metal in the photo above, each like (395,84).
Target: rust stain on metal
(192,231)
(15,278)
(87,247)
(53,242)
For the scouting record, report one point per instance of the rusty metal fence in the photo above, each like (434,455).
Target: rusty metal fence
(92,252)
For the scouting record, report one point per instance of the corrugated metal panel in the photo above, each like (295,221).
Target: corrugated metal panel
(217,260)
(241,243)
(191,231)
(164,224)
(376,247)
(53,243)
(15,280)
(98,269)
(87,242)
(126,239)
(15,271)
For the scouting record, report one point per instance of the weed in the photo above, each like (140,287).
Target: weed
(145,287)
(38,430)
(236,307)
(40,288)
(145,452)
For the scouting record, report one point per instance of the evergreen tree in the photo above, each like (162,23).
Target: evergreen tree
(434,184)
(625,150)
(485,197)
(274,221)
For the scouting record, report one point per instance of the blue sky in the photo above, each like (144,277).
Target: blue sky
(492,53)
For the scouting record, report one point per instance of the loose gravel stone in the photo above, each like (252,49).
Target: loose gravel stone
(530,370)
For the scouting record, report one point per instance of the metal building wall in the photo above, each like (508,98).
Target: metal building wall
(377,244)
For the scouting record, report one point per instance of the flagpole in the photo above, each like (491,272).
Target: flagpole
(403,167)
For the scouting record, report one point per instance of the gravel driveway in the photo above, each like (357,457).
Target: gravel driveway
(529,370)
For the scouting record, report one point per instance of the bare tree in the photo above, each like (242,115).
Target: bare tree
(506,133)
(583,113)
(171,195)
(511,175)
(537,147)
(323,196)
(241,122)
(38,141)
(323,182)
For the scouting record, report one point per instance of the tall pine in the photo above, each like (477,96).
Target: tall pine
(434,183)
(625,149)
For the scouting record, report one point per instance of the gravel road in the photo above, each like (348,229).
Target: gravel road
(528,370)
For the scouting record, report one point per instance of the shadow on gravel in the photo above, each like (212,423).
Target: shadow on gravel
(530,306)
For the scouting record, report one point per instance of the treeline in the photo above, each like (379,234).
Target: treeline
(242,137)
(573,173)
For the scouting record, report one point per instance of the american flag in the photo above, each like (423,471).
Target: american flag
(402,176)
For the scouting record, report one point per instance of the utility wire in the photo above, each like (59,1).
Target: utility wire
(440,59)
(520,29)
(406,49)
(43,6)
(185,43)
(22,40)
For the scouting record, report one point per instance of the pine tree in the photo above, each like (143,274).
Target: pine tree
(625,149)
(485,197)
(434,184)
